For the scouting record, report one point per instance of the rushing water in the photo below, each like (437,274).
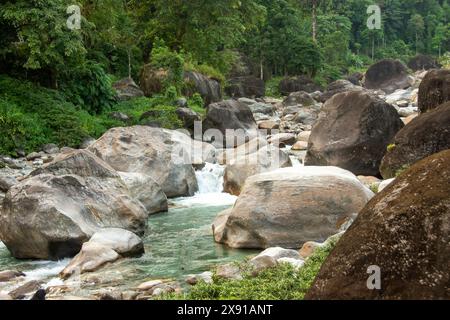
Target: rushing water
(177,243)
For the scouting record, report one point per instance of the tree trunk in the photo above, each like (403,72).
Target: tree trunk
(129,63)
(314,20)
(373,47)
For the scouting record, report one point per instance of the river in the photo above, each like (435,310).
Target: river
(177,243)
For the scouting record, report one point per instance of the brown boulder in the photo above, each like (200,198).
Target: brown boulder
(425,135)
(405,232)
(290,206)
(353,132)
(387,75)
(434,89)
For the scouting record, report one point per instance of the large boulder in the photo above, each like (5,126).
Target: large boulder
(144,189)
(152,81)
(208,88)
(300,83)
(246,86)
(60,206)
(338,87)
(290,206)
(266,159)
(127,89)
(298,98)
(157,153)
(423,62)
(353,132)
(387,75)
(229,115)
(434,89)
(188,117)
(405,232)
(425,135)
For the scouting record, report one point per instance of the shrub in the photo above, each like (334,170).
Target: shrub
(89,86)
(273,87)
(282,282)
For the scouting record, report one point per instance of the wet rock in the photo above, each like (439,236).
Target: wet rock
(25,289)
(405,232)
(91,257)
(353,132)
(9,275)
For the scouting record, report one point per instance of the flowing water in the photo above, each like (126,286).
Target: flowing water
(177,243)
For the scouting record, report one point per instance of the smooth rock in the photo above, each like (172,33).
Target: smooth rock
(266,159)
(290,206)
(91,257)
(158,153)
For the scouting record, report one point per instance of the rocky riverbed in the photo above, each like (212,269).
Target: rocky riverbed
(128,217)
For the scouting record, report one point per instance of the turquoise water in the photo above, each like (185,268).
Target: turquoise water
(177,243)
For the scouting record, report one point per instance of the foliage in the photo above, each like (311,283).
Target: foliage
(89,86)
(273,87)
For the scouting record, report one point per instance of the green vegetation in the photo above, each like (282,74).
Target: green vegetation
(31,116)
(391,147)
(62,88)
(374,187)
(282,282)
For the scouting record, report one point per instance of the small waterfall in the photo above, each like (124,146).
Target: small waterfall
(210,185)
(210,179)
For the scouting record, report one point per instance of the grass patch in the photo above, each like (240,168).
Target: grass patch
(282,282)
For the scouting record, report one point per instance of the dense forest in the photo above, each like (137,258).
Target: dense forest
(55,82)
